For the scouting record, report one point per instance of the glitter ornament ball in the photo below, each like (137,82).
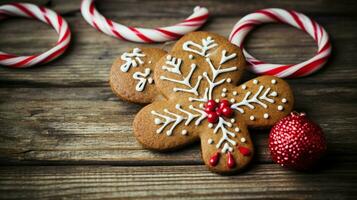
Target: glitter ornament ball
(295,142)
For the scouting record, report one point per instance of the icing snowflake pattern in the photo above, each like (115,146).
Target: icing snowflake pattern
(132,59)
(173,65)
(202,101)
(199,49)
(143,78)
(168,118)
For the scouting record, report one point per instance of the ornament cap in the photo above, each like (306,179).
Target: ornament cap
(295,113)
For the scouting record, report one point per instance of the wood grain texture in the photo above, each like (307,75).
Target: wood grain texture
(175,182)
(61,127)
(92,125)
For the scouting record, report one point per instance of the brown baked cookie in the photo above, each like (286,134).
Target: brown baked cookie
(131,75)
(202,100)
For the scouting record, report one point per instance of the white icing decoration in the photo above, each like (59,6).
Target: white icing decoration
(244,87)
(273,81)
(236,130)
(176,119)
(223,94)
(202,106)
(210,125)
(131,59)
(212,84)
(283,100)
(224,89)
(225,58)
(243,140)
(207,44)
(273,94)
(235,93)
(254,99)
(225,136)
(233,100)
(142,78)
(226,148)
(255,81)
(157,121)
(150,62)
(266,115)
(252,118)
(173,64)
(186,81)
(229,80)
(233,120)
(184,132)
(218,71)
(150,80)
(191,57)
(280,107)
(210,141)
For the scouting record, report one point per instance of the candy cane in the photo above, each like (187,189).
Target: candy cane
(42,14)
(144,35)
(295,19)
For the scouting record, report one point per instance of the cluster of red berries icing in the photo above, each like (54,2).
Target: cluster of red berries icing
(215,110)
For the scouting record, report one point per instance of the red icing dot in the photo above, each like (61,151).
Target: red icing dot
(244,150)
(230,160)
(213,161)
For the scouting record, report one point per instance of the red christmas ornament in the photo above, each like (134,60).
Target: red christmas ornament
(213,161)
(296,142)
(230,160)
(212,117)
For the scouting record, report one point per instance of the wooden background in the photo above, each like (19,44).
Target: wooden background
(64,135)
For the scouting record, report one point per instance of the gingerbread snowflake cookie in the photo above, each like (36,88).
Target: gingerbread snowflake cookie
(202,101)
(132,74)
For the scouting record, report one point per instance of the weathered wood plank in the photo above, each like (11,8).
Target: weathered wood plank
(90,125)
(88,60)
(337,181)
(226,8)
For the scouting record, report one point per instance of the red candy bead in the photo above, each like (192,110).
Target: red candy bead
(211,104)
(218,111)
(213,161)
(230,160)
(244,151)
(227,111)
(212,117)
(224,103)
(208,110)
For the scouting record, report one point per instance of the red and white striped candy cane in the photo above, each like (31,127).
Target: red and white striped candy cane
(295,19)
(45,15)
(143,35)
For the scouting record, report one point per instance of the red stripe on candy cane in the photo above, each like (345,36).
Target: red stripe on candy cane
(143,35)
(43,14)
(293,18)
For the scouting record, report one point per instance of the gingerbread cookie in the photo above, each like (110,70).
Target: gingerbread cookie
(198,79)
(132,74)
